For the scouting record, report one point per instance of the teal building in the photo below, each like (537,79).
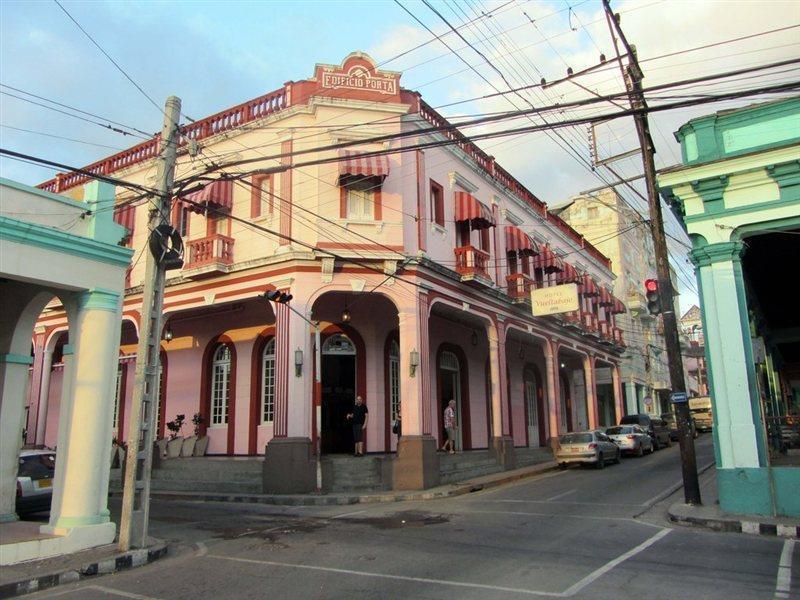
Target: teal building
(738,196)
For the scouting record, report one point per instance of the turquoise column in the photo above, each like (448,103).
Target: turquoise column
(738,428)
(631,399)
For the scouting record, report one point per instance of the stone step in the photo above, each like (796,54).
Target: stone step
(207,486)
(467,474)
(211,464)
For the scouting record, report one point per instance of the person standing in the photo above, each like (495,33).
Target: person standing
(450,427)
(359,417)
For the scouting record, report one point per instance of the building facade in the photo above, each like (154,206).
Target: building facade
(603,216)
(413,250)
(738,194)
(691,325)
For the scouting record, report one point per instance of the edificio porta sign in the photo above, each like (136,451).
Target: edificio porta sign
(554,300)
(359,79)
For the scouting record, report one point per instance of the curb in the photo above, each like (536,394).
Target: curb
(344,500)
(733,525)
(121,562)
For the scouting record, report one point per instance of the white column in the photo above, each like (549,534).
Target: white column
(412,405)
(616,382)
(631,400)
(84,443)
(13,376)
(44,396)
(737,427)
(496,335)
(300,387)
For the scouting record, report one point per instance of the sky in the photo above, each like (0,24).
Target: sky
(218,54)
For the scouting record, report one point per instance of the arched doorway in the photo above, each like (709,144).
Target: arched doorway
(450,389)
(534,405)
(566,402)
(338,393)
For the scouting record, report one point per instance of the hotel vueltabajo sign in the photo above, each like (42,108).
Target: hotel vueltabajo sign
(554,300)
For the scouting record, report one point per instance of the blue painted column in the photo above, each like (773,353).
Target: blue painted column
(738,428)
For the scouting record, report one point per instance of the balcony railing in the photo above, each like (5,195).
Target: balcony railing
(618,339)
(605,330)
(589,321)
(573,318)
(210,254)
(472,262)
(520,286)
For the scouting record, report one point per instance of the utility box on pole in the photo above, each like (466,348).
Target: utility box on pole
(138,461)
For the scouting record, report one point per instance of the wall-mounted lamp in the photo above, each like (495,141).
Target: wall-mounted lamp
(413,362)
(168,335)
(346,316)
(521,352)
(298,362)
(563,365)
(474,338)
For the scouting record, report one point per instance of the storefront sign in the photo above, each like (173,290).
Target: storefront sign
(358,78)
(554,300)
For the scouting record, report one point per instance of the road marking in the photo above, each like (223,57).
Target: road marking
(561,495)
(349,514)
(596,574)
(783,582)
(563,516)
(106,590)
(444,582)
(564,502)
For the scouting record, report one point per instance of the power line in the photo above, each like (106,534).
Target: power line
(60,137)
(108,56)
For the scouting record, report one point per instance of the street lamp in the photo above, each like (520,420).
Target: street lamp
(413,362)
(298,362)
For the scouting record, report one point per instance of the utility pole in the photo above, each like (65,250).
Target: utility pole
(633,80)
(139,458)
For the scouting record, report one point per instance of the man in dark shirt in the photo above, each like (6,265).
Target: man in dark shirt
(359,418)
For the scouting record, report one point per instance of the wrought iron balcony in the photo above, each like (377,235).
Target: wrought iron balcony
(520,286)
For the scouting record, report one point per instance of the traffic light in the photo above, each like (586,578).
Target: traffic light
(277,296)
(653,298)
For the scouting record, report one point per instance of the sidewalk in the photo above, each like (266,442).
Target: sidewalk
(38,575)
(444,491)
(710,516)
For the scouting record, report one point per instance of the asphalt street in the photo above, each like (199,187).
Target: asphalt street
(579,533)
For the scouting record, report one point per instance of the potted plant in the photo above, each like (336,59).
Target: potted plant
(175,443)
(201,444)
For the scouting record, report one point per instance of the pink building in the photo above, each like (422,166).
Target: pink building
(417,262)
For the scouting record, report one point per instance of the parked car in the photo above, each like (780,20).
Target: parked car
(587,447)
(672,423)
(631,439)
(657,429)
(35,480)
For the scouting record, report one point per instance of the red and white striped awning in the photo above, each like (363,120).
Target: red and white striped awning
(588,285)
(125,215)
(218,194)
(468,208)
(605,298)
(568,274)
(548,261)
(617,307)
(520,242)
(355,164)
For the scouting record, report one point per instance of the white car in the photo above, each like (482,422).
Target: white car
(587,447)
(631,439)
(35,480)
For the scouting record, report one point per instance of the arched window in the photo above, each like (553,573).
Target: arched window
(394,378)
(220,384)
(338,344)
(268,382)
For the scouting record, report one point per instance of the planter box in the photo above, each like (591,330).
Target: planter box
(201,446)
(162,447)
(174,447)
(187,449)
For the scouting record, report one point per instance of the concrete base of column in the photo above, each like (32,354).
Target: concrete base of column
(289,467)
(417,464)
(502,450)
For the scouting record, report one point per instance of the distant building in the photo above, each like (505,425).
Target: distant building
(694,356)
(609,222)
(738,195)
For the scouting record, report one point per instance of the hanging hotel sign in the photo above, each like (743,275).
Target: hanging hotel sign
(359,78)
(554,300)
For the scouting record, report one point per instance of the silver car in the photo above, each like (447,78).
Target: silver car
(587,447)
(35,480)
(631,439)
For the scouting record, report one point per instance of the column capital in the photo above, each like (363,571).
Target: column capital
(714,253)
(99,299)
